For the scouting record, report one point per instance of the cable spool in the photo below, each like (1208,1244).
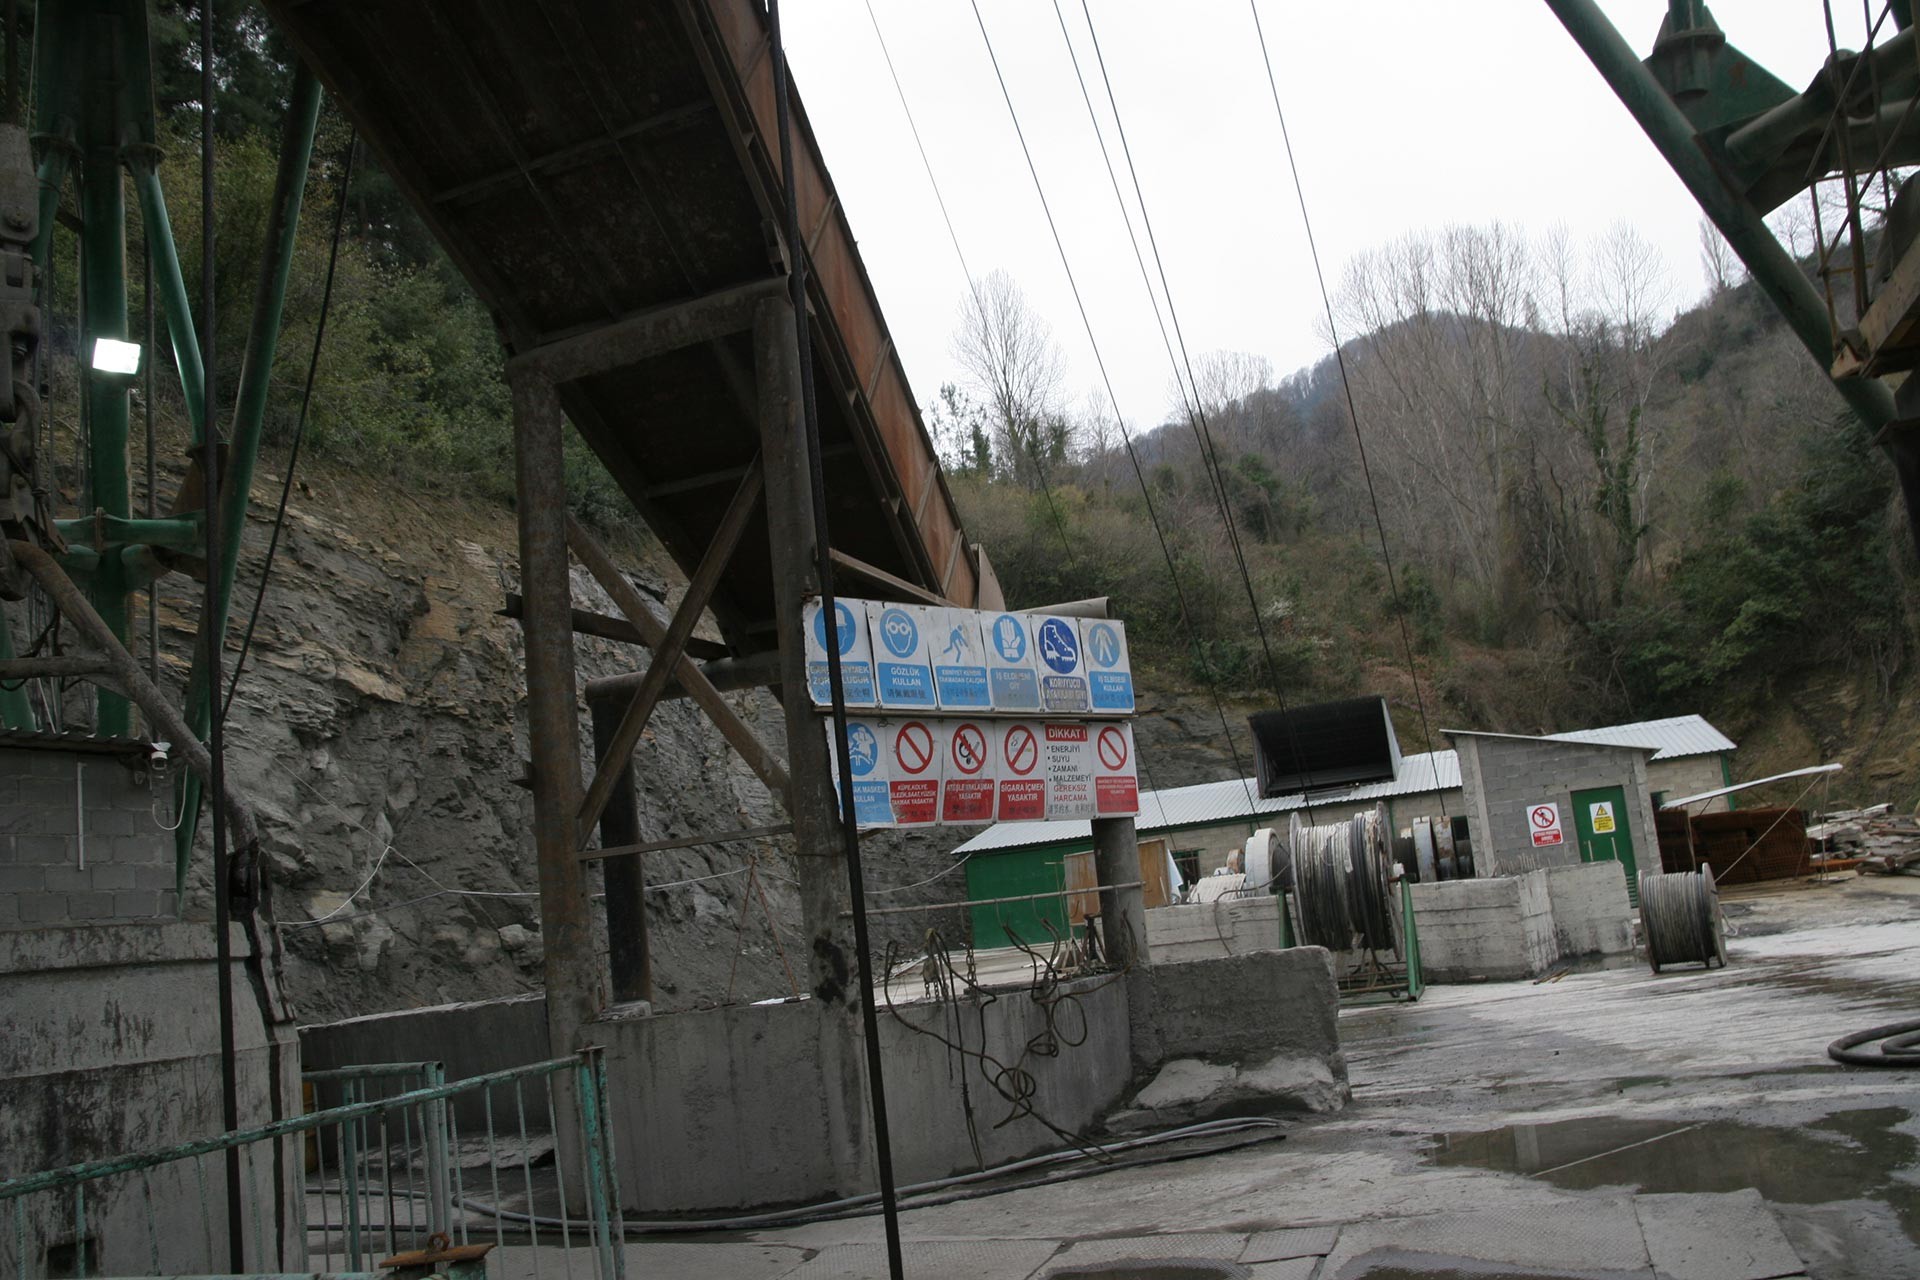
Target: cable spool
(1342,882)
(1680,919)
(1265,860)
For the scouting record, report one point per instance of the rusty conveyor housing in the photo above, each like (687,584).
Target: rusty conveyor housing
(586,161)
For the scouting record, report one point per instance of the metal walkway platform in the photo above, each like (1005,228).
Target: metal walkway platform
(591,162)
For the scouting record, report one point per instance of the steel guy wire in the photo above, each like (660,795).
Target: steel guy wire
(1346,387)
(1146,491)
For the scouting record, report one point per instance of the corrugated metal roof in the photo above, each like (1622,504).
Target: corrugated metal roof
(1677,737)
(1208,803)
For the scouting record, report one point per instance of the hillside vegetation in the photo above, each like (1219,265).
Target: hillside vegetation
(1595,506)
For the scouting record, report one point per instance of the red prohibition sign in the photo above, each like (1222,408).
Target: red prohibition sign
(1023,754)
(1544,817)
(1113,748)
(969,748)
(913,747)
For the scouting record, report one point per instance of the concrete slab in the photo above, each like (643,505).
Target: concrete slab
(1216,1246)
(1714,1237)
(1602,1238)
(1290,1269)
(1295,1242)
(686,1261)
(930,1260)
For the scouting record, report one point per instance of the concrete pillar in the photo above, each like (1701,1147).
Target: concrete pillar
(816,822)
(625,877)
(574,974)
(1123,912)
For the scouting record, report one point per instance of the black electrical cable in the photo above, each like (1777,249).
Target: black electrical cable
(1126,438)
(216,735)
(823,552)
(1680,919)
(1899,1046)
(973,290)
(300,425)
(1353,415)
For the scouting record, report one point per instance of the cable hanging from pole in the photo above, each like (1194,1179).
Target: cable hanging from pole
(829,612)
(1133,457)
(1353,415)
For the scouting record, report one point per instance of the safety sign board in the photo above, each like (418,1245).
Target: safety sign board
(1544,821)
(867,762)
(1066,759)
(1011,681)
(966,794)
(856,656)
(1602,815)
(1109,674)
(1116,775)
(1061,665)
(959,661)
(1022,782)
(902,674)
(913,754)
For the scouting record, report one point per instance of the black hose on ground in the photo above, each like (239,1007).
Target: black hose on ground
(1898,1046)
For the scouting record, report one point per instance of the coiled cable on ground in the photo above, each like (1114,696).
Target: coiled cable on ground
(1680,919)
(1898,1046)
(1341,876)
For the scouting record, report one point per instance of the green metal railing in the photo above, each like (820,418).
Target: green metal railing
(343,1187)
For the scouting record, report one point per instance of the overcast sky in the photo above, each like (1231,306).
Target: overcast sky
(1405,116)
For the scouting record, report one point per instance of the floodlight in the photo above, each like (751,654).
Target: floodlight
(110,355)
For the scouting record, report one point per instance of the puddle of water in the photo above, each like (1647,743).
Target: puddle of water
(1849,1155)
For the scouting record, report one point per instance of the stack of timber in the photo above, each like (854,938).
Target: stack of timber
(1875,840)
(1743,847)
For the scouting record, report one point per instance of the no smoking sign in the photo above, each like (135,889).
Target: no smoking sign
(1021,794)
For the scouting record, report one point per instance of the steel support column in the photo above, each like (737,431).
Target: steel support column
(1123,913)
(103,210)
(625,875)
(1772,267)
(575,987)
(812,804)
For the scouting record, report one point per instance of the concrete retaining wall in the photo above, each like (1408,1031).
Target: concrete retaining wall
(1208,931)
(109,1044)
(469,1039)
(1591,915)
(1498,929)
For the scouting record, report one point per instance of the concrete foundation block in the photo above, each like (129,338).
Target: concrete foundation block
(1591,914)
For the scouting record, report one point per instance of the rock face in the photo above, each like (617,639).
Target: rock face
(379,726)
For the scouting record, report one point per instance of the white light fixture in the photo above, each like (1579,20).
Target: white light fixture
(110,355)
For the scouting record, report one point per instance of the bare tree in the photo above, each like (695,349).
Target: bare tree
(1015,366)
(1717,260)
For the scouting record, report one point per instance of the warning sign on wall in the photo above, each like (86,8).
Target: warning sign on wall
(1116,779)
(856,658)
(1022,783)
(913,764)
(1067,760)
(1544,821)
(1602,818)
(966,793)
(867,761)
(903,675)
(1062,665)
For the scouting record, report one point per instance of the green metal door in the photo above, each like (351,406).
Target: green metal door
(1600,822)
(1014,875)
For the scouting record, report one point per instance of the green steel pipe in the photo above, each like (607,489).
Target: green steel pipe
(1772,267)
(53,176)
(104,282)
(171,286)
(250,411)
(16,712)
(174,533)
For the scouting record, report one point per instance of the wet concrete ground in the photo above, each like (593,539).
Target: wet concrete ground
(1609,1124)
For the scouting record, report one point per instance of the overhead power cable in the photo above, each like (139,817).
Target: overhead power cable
(1133,456)
(973,288)
(300,426)
(1353,415)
